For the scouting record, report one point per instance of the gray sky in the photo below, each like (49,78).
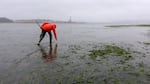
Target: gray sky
(80,10)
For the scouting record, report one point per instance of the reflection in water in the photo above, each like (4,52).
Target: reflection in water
(51,55)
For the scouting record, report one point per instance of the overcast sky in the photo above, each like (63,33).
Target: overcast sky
(79,10)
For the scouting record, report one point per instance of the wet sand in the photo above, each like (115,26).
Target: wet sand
(69,60)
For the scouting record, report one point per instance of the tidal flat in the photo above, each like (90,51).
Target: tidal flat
(83,54)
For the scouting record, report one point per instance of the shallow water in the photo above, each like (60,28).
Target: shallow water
(22,61)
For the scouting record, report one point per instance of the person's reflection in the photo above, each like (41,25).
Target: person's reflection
(51,55)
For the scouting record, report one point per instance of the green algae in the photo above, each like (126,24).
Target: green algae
(110,50)
(147,43)
(89,71)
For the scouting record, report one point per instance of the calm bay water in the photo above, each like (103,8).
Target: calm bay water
(22,61)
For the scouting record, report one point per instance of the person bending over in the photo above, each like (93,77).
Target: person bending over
(47,27)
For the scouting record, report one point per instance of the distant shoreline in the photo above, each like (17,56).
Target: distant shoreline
(136,25)
(113,26)
(41,22)
(7,20)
